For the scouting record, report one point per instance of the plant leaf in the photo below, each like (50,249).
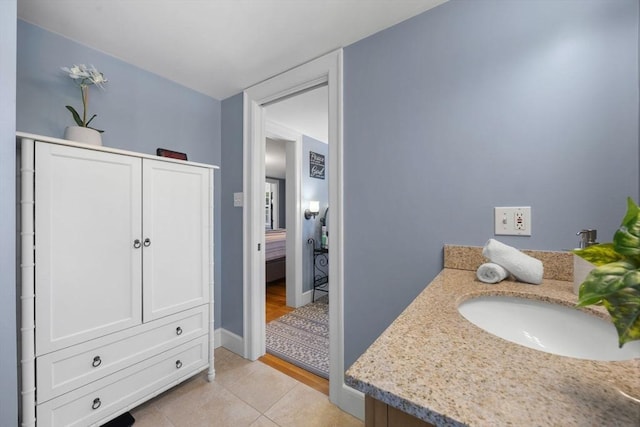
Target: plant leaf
(603,281)
(617,287)
(626,243)
(631,216)
(616,284)
(89,121)
(624,308)
(626,240)
(599,254)
(76,116)
(93,117)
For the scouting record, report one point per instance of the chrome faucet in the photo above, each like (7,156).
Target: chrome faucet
(587,237)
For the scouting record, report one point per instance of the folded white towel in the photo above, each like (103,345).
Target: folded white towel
(522,266)
(491,273)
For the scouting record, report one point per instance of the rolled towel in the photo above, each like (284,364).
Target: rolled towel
(491,273)
(522,266)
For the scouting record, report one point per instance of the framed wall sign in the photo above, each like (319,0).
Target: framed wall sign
(316,165)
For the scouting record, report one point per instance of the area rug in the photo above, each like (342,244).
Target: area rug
(302,337)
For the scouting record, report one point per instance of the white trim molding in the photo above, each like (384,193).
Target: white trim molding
(324,70)
(293,175)
(228,340)
(253,229)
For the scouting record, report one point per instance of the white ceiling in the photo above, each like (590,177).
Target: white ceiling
(218,47)
(306,113)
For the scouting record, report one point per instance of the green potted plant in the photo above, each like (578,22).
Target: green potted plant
(615,282)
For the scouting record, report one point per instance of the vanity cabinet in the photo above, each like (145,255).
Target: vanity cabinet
(117,279)
(379,414)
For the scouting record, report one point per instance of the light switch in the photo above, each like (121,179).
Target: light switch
(237,200)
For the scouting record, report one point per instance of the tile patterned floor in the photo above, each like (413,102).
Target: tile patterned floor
(244,393)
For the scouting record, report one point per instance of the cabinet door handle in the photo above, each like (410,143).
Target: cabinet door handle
(96,403)
(178,330)
(147,242)
(137,244)
(178,364)
(96,362)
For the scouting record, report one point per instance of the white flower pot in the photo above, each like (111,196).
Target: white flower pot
(82,134)
(581,269)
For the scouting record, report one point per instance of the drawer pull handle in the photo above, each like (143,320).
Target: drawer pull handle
(96,362)
(178,364)
(147,242)
(96,403)
(137,244)
(178,330)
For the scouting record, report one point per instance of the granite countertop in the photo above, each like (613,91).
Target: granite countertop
(434,364)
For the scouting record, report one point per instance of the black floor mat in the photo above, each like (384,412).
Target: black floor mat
(124,420)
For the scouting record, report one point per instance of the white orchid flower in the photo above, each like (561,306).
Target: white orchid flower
(97,77)
(76,72)
(84,77)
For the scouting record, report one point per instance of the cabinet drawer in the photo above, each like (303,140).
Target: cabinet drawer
(64,370)
(106,398)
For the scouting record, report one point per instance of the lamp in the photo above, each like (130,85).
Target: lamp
(314,209)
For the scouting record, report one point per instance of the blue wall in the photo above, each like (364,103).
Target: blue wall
(8,321)
(312,189)
(477,104)
(138,110)
(232,291)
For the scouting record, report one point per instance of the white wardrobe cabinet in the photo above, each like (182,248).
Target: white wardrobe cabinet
(117,279)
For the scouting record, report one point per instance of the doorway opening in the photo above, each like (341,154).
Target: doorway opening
(324,70)
(297,329)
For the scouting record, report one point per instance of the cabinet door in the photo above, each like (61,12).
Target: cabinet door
(176,222)
(87,216)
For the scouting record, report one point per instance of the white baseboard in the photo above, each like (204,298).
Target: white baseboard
(307,297)
(228,340)
(352,401)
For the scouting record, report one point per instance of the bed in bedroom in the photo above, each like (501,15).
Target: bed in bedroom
(275,242)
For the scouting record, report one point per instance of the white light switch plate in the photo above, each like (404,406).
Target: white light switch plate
(513,221)
(237,200)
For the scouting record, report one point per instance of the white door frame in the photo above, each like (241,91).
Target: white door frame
(293,177)
(326,69)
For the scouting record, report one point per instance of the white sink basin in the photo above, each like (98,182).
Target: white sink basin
(548,327)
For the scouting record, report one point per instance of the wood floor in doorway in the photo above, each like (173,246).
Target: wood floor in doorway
(276,306)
